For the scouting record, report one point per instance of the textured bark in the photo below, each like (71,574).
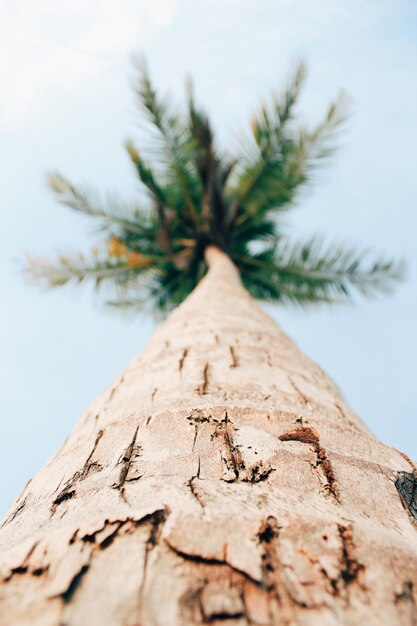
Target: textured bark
(222,479)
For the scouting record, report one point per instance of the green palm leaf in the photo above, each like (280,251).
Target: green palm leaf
(282,157)
(110,214)
(311,272)
(171,135)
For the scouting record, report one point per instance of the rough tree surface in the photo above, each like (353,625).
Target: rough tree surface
(222,479)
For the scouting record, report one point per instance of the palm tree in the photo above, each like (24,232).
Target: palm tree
(222,478)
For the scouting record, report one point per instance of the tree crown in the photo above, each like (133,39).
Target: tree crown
(195,195)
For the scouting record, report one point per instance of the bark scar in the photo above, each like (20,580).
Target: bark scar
(302,395)
(69,490)
(351,568)
(14,513)
(305,434)
(202,388)
(158,520)
(233,355)
(268,537)
(126,461)
(406,594)
(236,469)
(406,484)
(194,489)
(182,359)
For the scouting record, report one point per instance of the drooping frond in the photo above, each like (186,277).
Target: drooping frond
(193,195)
(117,265)
(112,213)
(311,272)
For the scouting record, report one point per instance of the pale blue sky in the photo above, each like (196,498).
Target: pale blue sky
(67,104)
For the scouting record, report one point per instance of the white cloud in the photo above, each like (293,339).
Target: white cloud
(45,43)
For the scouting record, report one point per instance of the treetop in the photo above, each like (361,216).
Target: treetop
(151,252)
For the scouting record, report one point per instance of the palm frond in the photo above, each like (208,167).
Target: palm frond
(147,176)
(174,144)
(320,143)
(283,157)
(269,124)
(263,156)
(311,272)
(110,213)
(121,269)
(213,169)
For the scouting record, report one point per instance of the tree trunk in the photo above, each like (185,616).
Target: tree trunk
(222,479)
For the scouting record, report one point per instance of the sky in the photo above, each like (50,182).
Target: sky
(67,104)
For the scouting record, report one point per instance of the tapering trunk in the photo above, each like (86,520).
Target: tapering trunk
(222,479)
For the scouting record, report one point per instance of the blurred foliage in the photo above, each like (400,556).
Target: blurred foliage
(195,195)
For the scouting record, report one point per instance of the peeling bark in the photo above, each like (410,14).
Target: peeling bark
(406,484)
(256,496)
(322,463)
